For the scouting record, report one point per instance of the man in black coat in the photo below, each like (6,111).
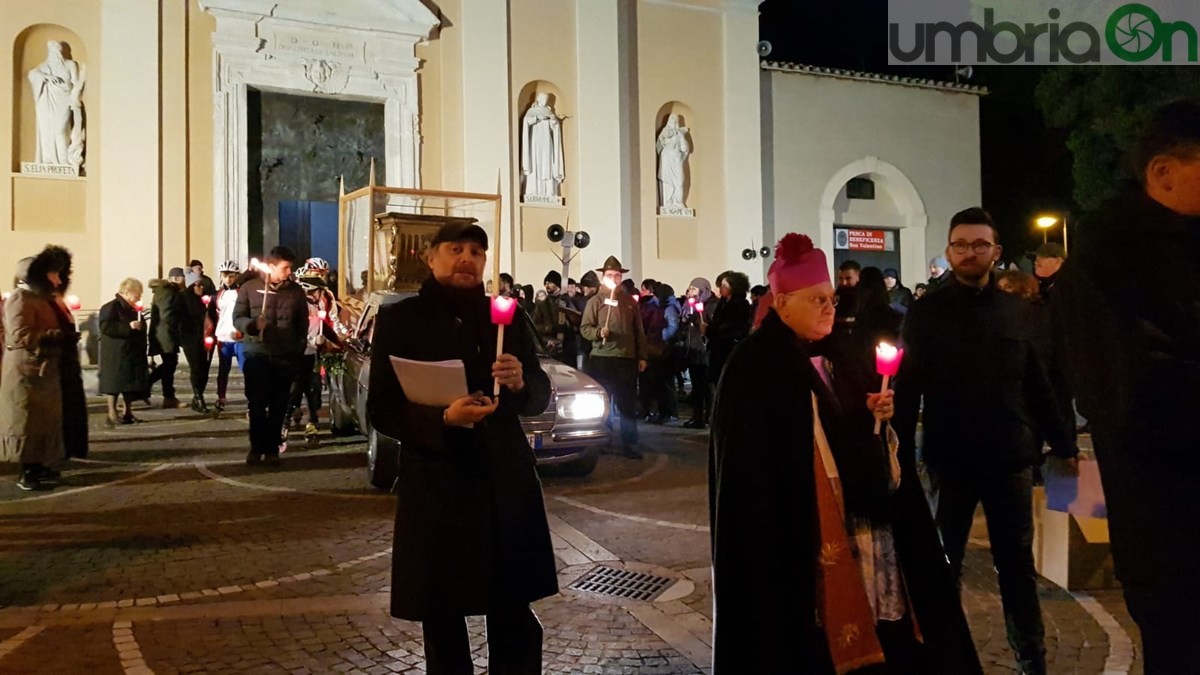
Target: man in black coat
(166,314)
(1134,340)
(731,321)
(970,356)
(272,314)
(471,532)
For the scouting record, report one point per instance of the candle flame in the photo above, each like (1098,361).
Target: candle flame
(699,306)
(609,284)
(73,302)
(886,350)
(321,314)
(208,341)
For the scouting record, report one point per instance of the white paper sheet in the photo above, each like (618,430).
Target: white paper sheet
(436,383)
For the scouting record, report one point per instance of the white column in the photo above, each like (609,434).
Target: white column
(127,142)
(604,191)
(743,135)
(487,148)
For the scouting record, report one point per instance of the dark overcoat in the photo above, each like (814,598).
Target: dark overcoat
(1133,342)
(764,522)
(122,350)
(471,532)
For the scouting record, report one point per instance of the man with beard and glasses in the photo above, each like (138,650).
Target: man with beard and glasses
(971,360)
(471,536)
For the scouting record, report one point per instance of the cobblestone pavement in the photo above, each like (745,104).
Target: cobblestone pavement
(164,553)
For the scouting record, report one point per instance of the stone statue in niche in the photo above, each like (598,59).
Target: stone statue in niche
(57,87)
(673,149)
(541,152)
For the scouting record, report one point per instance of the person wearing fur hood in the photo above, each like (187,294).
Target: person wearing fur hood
(41,388)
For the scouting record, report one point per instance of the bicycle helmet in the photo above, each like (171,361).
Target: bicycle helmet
(229,266)
(317,265)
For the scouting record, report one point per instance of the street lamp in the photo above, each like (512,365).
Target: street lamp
(1047,222)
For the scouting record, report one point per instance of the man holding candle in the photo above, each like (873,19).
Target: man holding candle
(792,451)
(471,536)
(1134,347)
(971,360)
(613,324)
(272,315)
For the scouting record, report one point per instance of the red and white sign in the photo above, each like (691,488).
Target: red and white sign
(866,240)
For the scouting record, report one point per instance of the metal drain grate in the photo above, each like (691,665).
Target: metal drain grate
(620,583)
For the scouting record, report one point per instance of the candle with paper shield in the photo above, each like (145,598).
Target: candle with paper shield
(887,364)
(206,299)
(73,303)
(209,341)
(610,302)
(503,310)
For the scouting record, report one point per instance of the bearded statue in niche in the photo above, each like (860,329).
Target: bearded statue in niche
(57,86)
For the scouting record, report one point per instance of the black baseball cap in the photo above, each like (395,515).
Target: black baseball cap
(460,231)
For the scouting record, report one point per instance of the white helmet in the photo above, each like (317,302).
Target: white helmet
(317,265)
(229,266)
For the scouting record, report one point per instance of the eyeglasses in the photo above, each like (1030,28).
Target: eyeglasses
(819,301)
(979,247)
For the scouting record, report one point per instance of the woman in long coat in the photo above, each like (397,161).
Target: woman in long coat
(31,398)
(123,369)
(70,367)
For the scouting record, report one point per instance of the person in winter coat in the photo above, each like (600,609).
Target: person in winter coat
(793,454)
(875,321)
(123,371)
(70,367)
(730,322)
(229,339)
(272,315)
(307,386)
(696,315)
(471,532)
(1133,344)
(166,317)
(31,396)
(196,337)
(899,297)
(612,324)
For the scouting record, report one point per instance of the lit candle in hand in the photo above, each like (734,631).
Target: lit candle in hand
(887,364)
(73,303)
(611,302)
(206,299)
(503,310)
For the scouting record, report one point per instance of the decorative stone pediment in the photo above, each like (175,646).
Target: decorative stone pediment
(361,50)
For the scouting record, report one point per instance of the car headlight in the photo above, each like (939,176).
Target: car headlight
(582,406)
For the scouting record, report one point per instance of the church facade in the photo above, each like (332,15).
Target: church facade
(213,129)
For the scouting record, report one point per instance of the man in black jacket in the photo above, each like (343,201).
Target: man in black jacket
(166,315)
(1134,341)
(272,314)
(471,531)
(986,395)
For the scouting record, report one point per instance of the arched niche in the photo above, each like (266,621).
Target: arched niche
(562,108)
(29,52)
(686,119)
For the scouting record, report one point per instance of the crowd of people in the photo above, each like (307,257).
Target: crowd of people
(808,446)
(271,320)
(806,442)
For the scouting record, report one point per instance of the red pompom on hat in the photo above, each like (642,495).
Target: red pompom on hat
(798,264)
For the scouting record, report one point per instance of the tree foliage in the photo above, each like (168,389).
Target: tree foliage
(1104,109)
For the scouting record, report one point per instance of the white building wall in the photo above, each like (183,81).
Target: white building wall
(814,126)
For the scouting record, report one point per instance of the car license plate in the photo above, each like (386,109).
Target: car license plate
(535,441)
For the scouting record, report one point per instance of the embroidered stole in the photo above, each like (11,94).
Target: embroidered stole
(842,606)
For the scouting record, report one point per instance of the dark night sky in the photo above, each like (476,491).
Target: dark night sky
(1026,167)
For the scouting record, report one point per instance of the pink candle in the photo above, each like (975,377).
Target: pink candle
(887,364)
(692,302)
(503,311)
(73,303)
(206,299)
(139,306)
(208,341)
(322,314)
(700,308)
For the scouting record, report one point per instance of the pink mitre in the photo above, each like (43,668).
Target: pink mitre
(798,264)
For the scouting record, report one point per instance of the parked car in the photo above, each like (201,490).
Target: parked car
(569,433)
